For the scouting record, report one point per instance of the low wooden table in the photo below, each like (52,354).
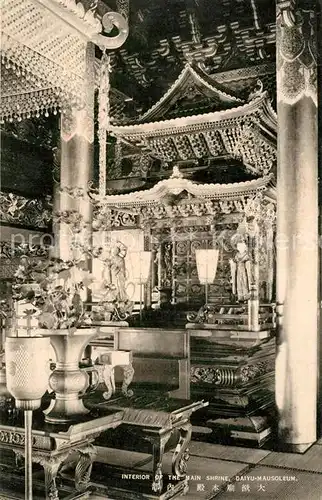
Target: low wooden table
(156,418)
(53,444)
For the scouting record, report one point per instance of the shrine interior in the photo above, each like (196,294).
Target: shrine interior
(160,258)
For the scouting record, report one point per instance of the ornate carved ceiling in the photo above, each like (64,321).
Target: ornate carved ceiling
(218,35)
(186,58)
(231,41)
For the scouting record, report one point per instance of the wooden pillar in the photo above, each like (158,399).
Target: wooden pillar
(76,168)
(297,228)
(148,285)
(319,79)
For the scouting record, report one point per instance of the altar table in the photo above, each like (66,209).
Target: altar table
(156,419)
(54,444)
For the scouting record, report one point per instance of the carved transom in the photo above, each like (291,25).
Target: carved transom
(169,211)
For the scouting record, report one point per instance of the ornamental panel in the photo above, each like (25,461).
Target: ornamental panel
(214,142)
(18,210)
(183,147)
(199,145)
(164,148)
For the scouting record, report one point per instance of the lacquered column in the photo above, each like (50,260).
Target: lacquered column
(73,239)
(297,228)
(76,167)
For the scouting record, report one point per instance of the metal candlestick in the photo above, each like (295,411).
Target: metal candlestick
(141,271)
(28,454)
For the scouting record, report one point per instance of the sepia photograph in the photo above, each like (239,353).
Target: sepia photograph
(160,265)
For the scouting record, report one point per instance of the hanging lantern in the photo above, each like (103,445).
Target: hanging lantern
(207,260)
(27,369)
(207,265)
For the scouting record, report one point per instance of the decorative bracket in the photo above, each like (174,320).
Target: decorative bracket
(286,9)
(109,21)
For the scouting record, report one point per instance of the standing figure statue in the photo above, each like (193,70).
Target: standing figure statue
(241,269)
(116,271)
(114,300)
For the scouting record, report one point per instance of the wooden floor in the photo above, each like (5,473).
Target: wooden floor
(227,472)
(235,473)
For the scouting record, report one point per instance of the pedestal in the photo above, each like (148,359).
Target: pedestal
(68,381)
(234,371)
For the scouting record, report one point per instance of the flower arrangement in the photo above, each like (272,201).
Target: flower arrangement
(54,287)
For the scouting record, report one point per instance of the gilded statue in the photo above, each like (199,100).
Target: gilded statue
(113,294)
(241,269)
(115,271)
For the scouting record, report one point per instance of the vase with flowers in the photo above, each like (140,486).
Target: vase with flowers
(55,290)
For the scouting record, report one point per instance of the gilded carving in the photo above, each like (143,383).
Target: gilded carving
(219,376)
(128,372)
(9,250)
(51,465)
(84,466)
(16,209)
(158,479)
(149,213)
(229,377)
(103,118)
(199,374)
(181,454)
(297,53)
(220,315)
(14,438)
(119,219)
(241,140)
(105,219)
(167,268)
(251,371)
(71,218)
(109,21)
(75,122)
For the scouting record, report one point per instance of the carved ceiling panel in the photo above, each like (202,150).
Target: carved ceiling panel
(215,34)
